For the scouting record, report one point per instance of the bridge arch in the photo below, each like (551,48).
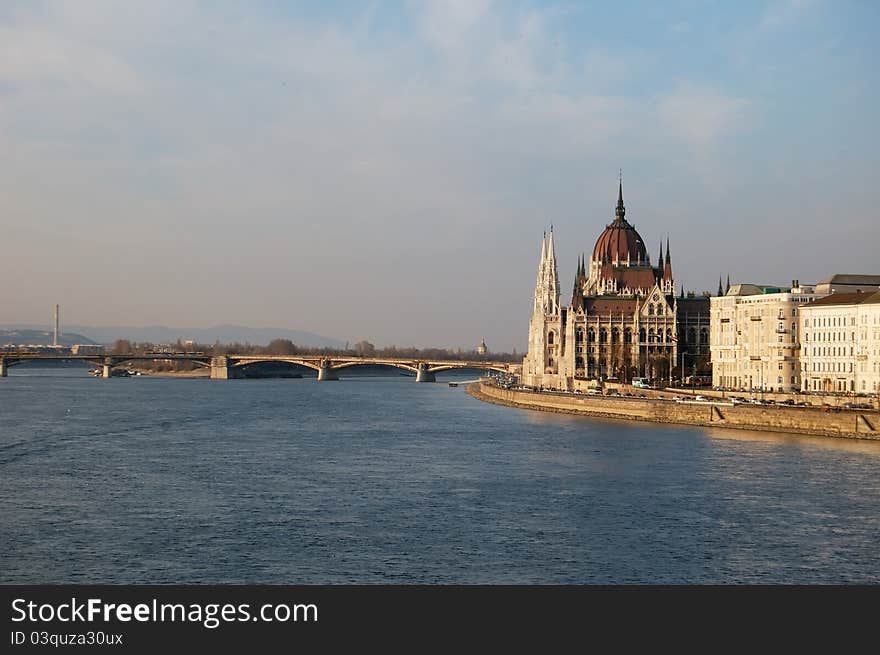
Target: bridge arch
(242,362)
(398,365)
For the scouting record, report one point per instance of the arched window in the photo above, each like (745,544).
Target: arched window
(650,310)
(642,335)
(591,335)
(550,337)
(627,335)
(615,335)
(603,335)
(578,335)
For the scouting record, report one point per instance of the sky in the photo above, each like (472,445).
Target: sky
(385,170)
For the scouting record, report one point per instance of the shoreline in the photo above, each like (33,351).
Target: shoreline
(806,421)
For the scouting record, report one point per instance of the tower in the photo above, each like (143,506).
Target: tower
(57,333)
(544,328)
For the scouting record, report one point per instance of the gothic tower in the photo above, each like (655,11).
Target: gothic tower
(544,329)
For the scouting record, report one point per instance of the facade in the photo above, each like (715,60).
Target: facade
(841,343)
(624,319)
(755,337)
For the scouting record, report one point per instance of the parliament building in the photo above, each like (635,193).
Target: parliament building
(625,319)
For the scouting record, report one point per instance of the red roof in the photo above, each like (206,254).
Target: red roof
(619,242)
(843,299)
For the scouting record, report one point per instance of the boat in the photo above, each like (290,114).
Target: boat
(453,384)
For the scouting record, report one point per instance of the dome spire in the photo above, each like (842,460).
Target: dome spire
(620,212)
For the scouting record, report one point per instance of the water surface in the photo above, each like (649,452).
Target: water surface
(382,480)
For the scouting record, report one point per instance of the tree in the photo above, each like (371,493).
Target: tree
(364,349)
(281,347)
(122,347)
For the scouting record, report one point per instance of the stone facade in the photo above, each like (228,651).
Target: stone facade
(754,337)
(841,343)
(624,319)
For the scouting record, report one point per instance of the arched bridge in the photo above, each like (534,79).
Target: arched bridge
(328,368)
(229,366)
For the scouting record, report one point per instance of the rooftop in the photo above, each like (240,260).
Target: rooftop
(856,298)
(851,278)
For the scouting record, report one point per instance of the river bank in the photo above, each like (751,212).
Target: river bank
(801,420)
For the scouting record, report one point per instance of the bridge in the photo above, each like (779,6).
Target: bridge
(225,367)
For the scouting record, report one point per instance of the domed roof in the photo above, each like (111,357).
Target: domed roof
(620,241)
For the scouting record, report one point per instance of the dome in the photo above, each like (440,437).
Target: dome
(620,241)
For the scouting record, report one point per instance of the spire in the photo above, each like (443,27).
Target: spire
(667,269)
(551,252)
(728,283)
(660,259)
(720,288)
(620,212)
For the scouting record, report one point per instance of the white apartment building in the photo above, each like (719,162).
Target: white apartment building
(754,337)
(840,351)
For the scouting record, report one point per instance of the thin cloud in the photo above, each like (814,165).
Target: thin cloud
(783,13)
(701,115)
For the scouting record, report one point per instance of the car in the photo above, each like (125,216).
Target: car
(700,398)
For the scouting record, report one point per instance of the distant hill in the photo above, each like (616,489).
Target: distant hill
(25,337)
(163,334)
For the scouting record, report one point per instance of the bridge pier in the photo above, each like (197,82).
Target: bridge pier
(220,369)
(424,375)
(326,372)
(3,367)
(106,370)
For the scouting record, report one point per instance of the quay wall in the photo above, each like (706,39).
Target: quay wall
(804,420)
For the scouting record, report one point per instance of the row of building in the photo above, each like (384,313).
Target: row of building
(626,321)
(822,338)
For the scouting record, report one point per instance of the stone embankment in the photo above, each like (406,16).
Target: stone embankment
(828,422)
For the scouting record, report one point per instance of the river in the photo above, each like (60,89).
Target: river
(381,480)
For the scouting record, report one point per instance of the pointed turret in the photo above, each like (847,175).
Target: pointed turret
(580,278)
(728,283)
(620,211)
(547,284)
(720,288)
(667,268)
(660,258)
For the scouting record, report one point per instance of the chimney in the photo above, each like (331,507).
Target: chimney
(57,334)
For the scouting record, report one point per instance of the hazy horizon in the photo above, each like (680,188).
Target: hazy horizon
(385,171)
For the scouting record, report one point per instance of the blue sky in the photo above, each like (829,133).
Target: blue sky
(385,170)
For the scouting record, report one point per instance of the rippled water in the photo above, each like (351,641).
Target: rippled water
(382,480)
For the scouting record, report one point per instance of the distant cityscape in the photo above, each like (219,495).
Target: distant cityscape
(626,322)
